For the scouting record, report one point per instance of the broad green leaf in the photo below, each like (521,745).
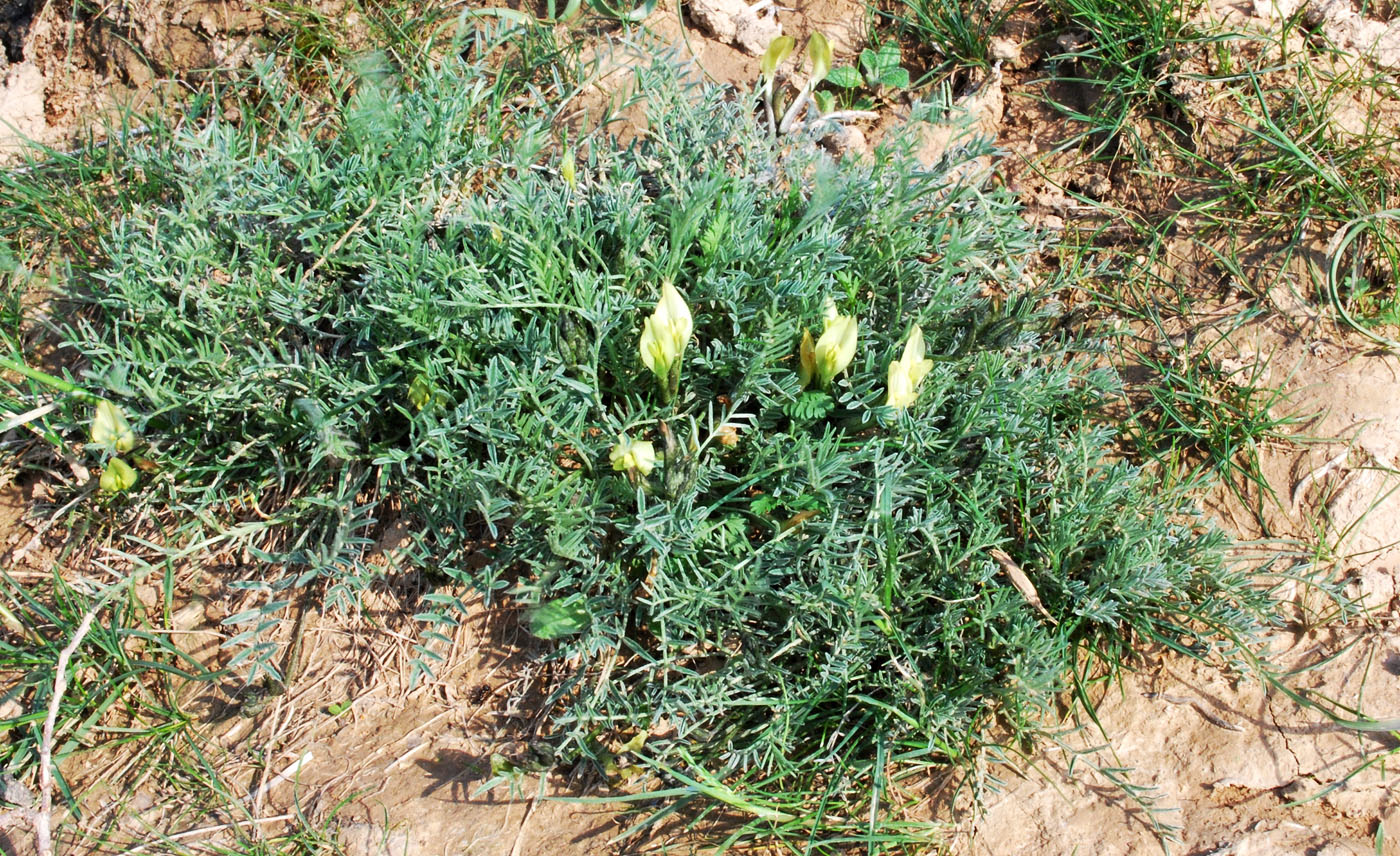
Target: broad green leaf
(895,78)
(825,101)
(846,77)
(887,58)
(882,67)
(559,618)
(868,64)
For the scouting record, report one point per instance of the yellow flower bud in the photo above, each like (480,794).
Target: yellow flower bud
(836,347)
(117,477)
(907,372)
(806,359)
(631,454)
(110,430)
(665,334)
(568,169)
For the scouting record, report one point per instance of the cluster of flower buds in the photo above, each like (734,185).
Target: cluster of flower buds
(832,353)
(667,331)
(113,434)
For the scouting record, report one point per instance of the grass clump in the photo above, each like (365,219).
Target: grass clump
(958,32)
(778,590)
(1120,59)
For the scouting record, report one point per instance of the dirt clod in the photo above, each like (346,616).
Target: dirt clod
(1095,185)
(1346,28)
(751,29)
(846,140)
(1006,51)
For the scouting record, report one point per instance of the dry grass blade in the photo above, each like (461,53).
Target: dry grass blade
(1022,582)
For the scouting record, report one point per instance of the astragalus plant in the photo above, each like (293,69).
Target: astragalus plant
(736,426)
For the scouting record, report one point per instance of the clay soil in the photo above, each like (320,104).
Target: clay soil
(1238,767)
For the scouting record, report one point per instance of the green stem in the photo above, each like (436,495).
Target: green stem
(57,383)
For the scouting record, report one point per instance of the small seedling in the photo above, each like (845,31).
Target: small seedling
(819,55)
(879,71)
(778,50)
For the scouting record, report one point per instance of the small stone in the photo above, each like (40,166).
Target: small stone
(1004,51)
(1390,821)
(717,17)
(1272,9)
(14,792)
(189,616)
(753,33)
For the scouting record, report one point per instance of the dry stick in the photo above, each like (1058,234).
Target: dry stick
(1301,489)
(207,830)
(340,242)
(520,833)
(287,775)
(43,834)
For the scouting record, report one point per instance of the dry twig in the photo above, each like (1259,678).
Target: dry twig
(43,832)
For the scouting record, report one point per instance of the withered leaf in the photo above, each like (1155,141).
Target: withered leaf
(1021,582)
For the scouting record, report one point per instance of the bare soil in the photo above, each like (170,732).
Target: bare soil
(1238,766)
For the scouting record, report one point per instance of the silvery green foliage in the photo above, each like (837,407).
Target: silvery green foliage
(408,301)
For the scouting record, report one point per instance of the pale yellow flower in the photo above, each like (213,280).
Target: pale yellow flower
(666,333)
(836,347)
(631,454)
(110,430)
(907,372)
(117,476)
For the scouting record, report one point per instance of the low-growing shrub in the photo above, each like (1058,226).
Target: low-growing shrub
(667,389)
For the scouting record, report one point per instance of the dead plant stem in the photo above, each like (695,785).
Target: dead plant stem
(43,833)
